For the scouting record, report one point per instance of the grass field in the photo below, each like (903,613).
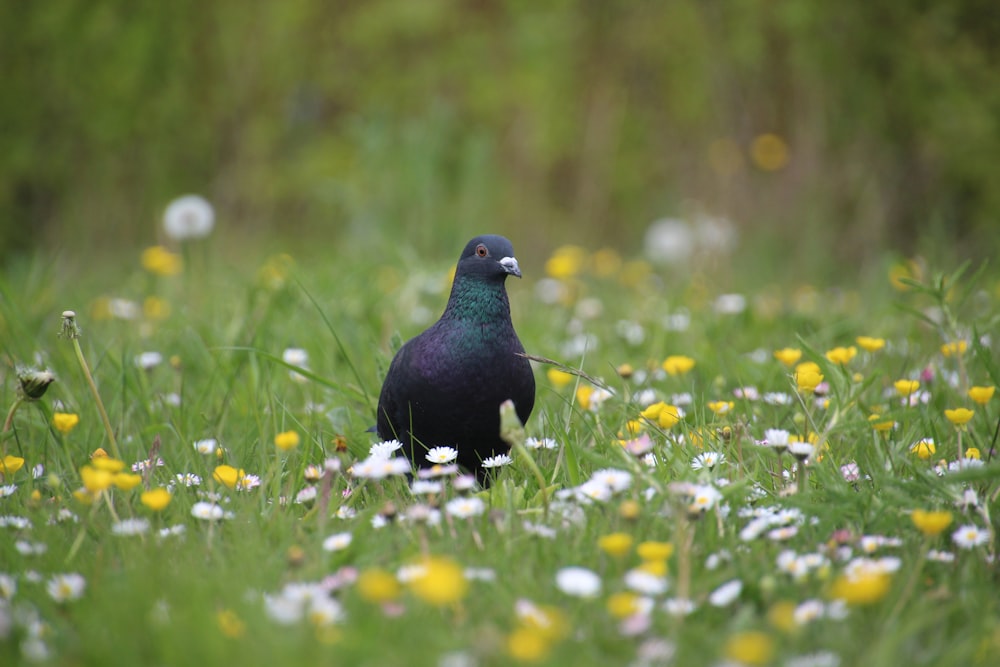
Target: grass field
(697,498)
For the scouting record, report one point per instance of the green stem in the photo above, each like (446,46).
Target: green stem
(10,415)
(97,398)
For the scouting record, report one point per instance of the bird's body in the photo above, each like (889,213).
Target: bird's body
(445,387)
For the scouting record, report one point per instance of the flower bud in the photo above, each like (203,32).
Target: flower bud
(35,383)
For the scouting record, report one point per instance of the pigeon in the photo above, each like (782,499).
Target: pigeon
(444,387)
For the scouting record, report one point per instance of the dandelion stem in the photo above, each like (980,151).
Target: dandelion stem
(10,415)
(72,331)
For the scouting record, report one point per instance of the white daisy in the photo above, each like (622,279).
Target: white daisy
(425,486)
(678,606)
(970,537)
(188,479)
(441,454)
(497,461)
(707,460)
(776,438)
(383,450)
(345,512)
(541,443)
(801,450)
(325,611)
(7,490)
(464,483)
(480,574)
(578,581)
(8,586)
(296,356)
(464,508)
(725,594)
(206,446)
(66,587)
(188,217)
(172,531)
(128,527)
(306,495)
(206,511)
(148,360)
(614,479)
(337,542)
(645,583)
(808,611)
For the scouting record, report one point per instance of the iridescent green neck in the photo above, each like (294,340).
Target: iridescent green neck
(477,300)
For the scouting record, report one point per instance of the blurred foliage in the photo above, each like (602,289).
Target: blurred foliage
(845,126)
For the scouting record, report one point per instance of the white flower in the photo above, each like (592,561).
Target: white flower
(188,479)
(777,398)
(172,531)
(578,581)
(704,497)
(26,548)
(783,533)
(818,659)
(592,490)
(66,587)
(8,587)
(148,360)
(616,480)
(425,486)
(307,494)
(464,483)
(541,443)
(282,609)
(707,460)
(940,556)
(188,217)
(497,461)
(130,527)
(382,450)
(808,611)
(480,574)
(969,537)
(540,530)
(464,508)
(206,511)
(325,611)
(378,468)
(7,490)
(678,606)
(346,512)
(669,241)
(441,454)
(296,356)
(776,437)
(801,450)
(726,593)
(645,583)
(337,542)
(206,446)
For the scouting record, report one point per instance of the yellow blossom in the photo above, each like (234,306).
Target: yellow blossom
(155,499)
(615,544)
(566,262)
(623,605)
(954,348)
(107,463)
(10,464)
(439,581)
(924,449)
(750,648)
(931,523)
(583,393)
(528,644)
(155,308)
(657,568)
(228,475)
(782,615)
(906,387)
(65,421)
(83,496)
(807,376)
(981,395)
(789,356)
(98,453)
(378,586)
(959,416)
(629,510)
(625,370)
(861,589)
(678,364)
(286,440)
(160,261)
(909,269)
(973,453)
(230,624)
(651,550)
(870,344)
(95,479)
(769,152)
(662,414)
(879,424)
(558,378)
(607,262)
(841,355)
(126,481)
(720,407)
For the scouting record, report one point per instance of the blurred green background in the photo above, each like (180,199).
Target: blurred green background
(821,133)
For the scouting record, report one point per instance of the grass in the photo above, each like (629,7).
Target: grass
(836,571)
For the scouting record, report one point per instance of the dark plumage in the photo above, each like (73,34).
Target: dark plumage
(445,387)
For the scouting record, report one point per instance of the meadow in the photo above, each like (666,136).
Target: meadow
(785,475)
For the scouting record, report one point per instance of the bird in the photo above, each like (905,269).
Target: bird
(445,386)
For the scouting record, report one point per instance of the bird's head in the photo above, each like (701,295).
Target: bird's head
(488,257)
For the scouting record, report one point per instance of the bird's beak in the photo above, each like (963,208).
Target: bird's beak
(509,265)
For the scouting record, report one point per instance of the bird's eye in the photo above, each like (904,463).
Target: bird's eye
(481,250)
